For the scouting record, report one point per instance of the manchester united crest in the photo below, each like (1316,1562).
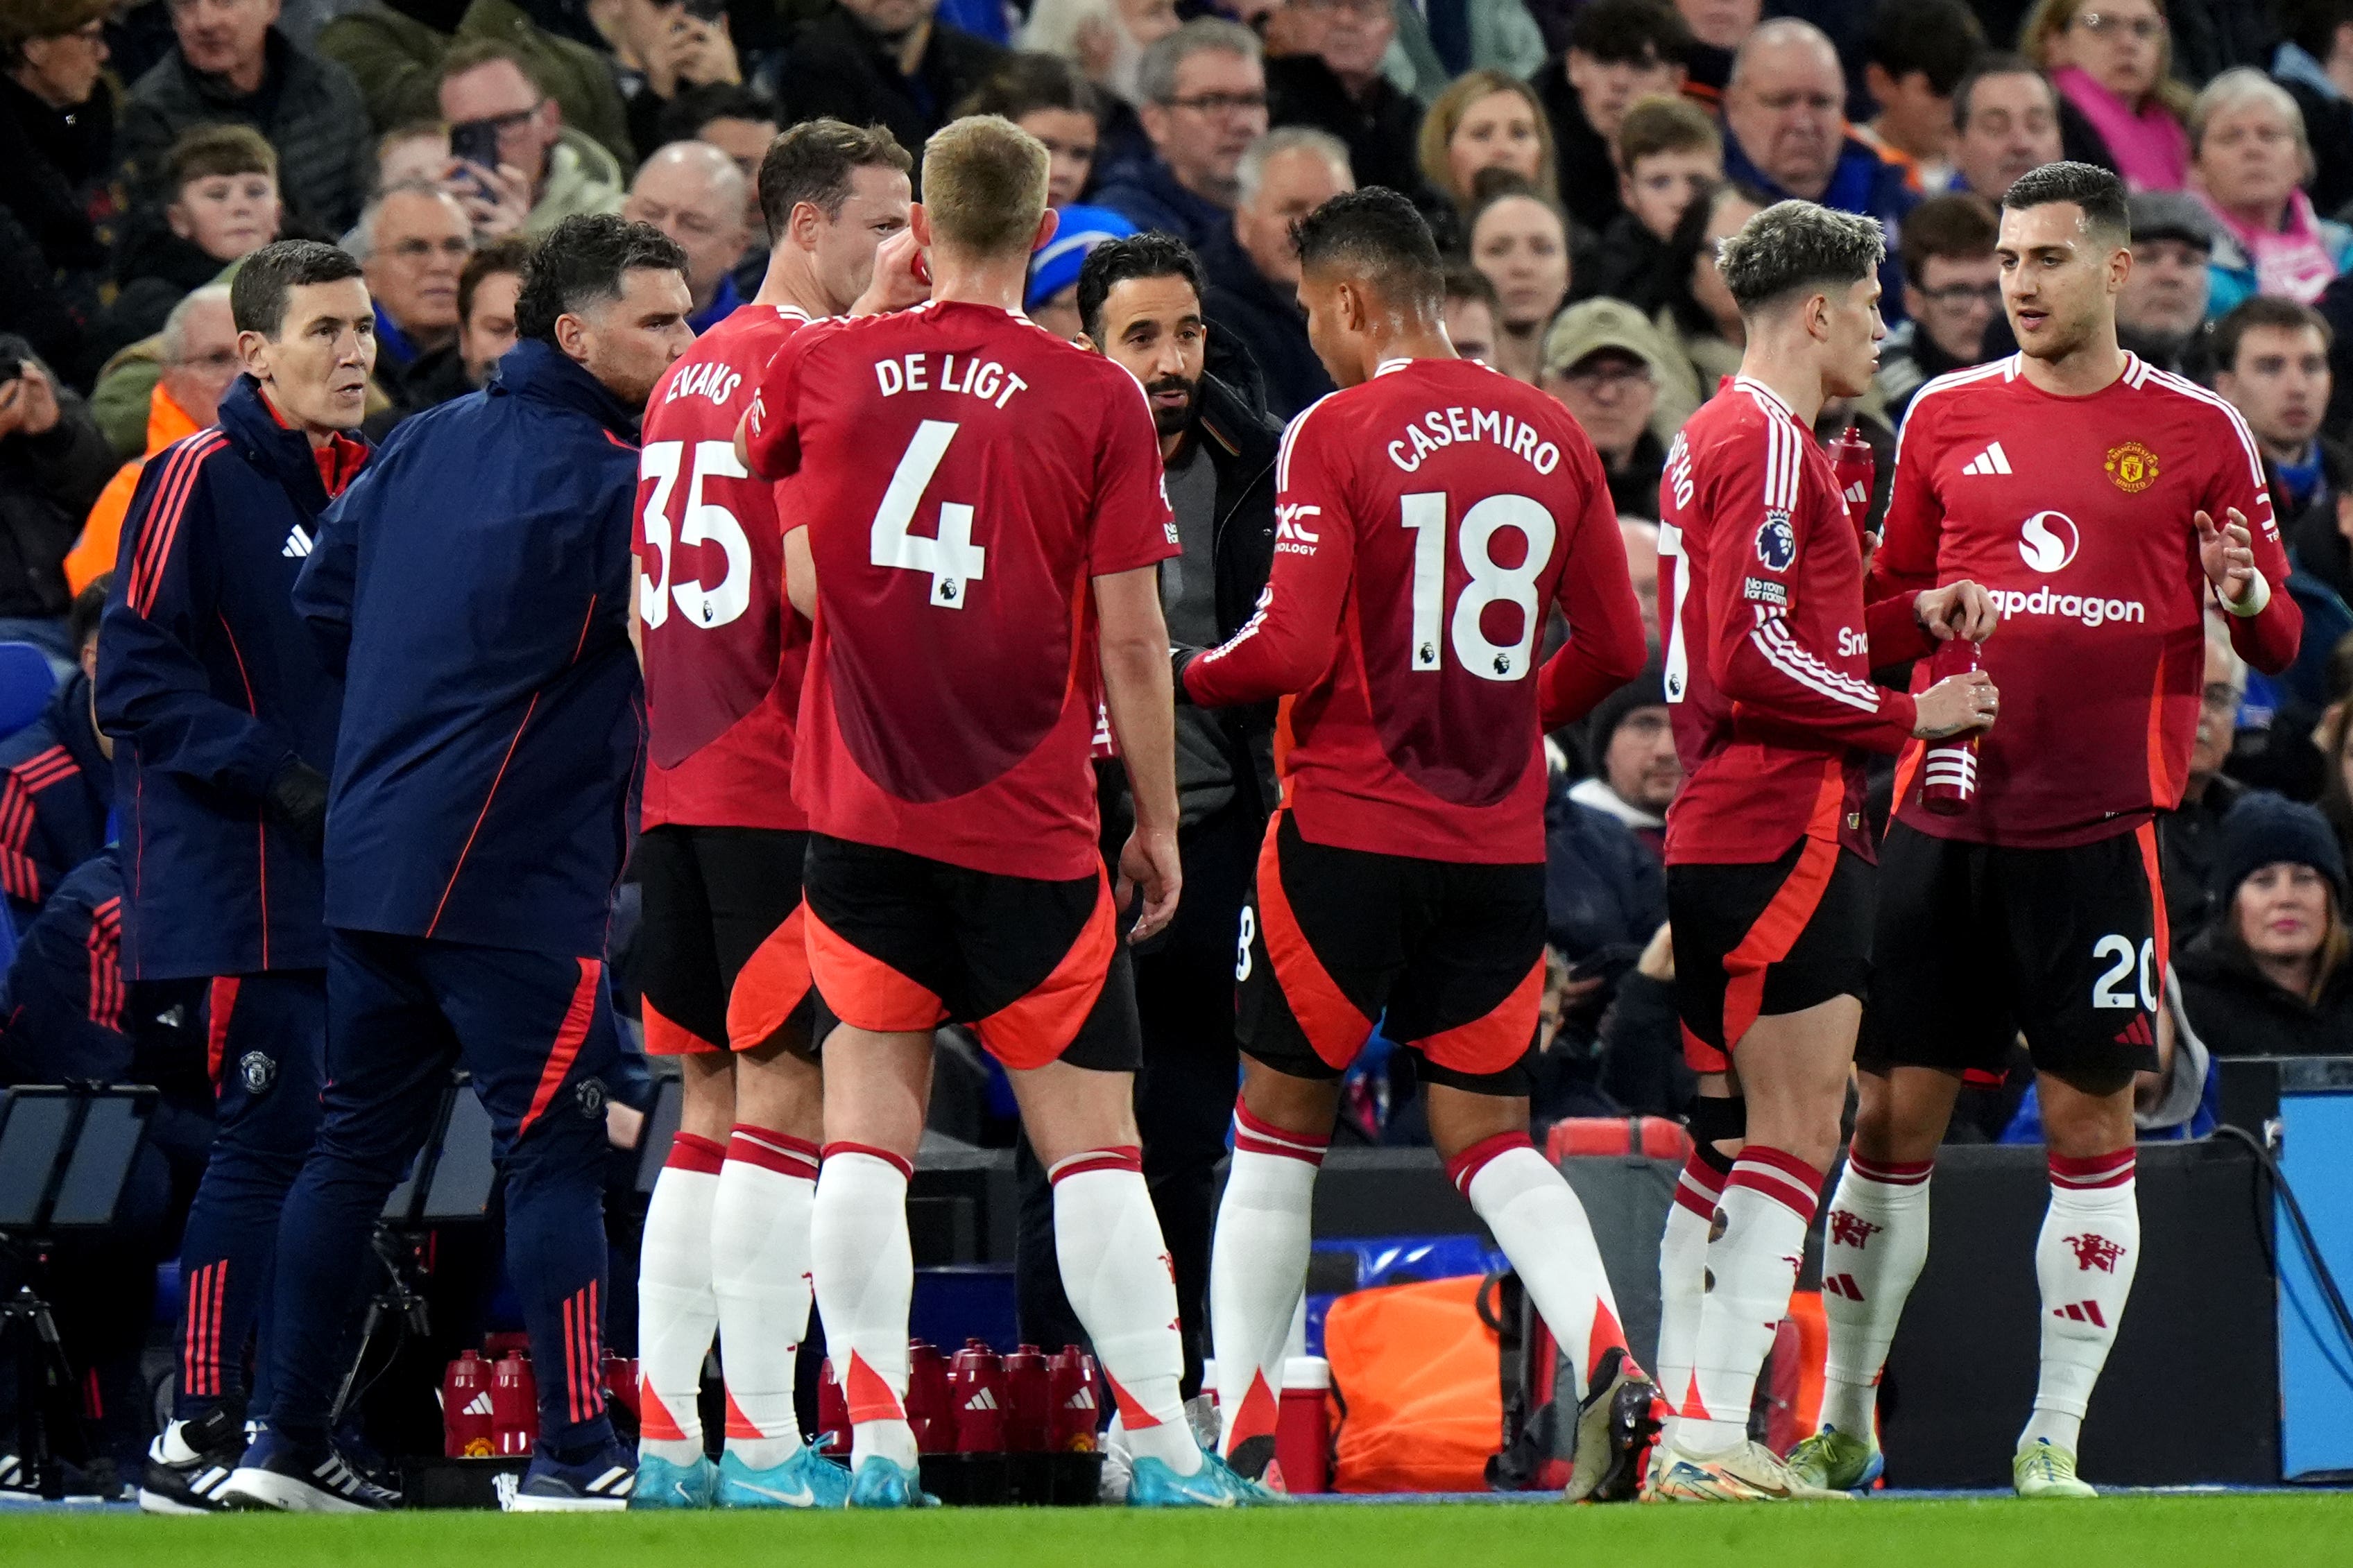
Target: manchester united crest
(2133,466)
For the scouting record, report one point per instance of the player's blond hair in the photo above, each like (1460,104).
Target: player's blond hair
(984,185)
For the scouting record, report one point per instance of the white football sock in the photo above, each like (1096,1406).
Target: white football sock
(760,1273)
(1768,1203)
(1542,1229)
(865,1273)
(1258,1271)
(1116,1273)
(2084,1261)
(1683,1273)
(676,1310)
(1871,1255)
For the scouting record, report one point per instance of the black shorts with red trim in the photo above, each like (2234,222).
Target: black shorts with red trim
(1446,957)
(1762,938)
(723,959)
(902,944)
(1978,944)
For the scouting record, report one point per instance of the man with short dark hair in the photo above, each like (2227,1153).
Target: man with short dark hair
(1919,51)
(544,170)
(1204,103)
(2271,364)
(1253,271)
(2008,118)
(1952,291)
(1619,51)
(479,813)
(487,290)
(1140,298)
(224,717)
(1333,81)
(891,63)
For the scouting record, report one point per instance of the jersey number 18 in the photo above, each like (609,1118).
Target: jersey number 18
(1491,582)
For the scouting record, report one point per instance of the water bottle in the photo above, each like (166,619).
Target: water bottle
(466,1428)
(976,1379)
(1851,460)
(514,1405)
(1948,773)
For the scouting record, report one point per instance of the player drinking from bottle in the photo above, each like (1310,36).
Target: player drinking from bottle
(2083,485)
(1769,865)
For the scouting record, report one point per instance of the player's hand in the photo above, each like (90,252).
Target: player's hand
(2227,552)
(1959,609)
(1149,861)
(901,280)
(1658,960)
(1956,703)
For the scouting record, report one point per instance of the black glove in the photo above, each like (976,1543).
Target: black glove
(1178,658)
(298,800)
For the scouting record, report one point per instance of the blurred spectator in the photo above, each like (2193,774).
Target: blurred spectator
(885,62)
(2315,63)
(2271,362)
(1333,81)
(56,129)
(1105,39)
(1605,891)
(1919,51)
(1718,28)
(53,464)
(1669,153)
(2113,59)
(222,204)
(1602,361)
(693,192)
(199,360)
(487,288)
(546,171)
(2248,139)
(1785,130)
(739,121)
(1051,297)
(1254,273)
(1520,240)
(1696,313)
(2269,977)
(2007,119)
(2161,314)
(1048,98)
(2335,739)
(1642,1066)
(417,151)
(395,49)
(2190,837)
(1203,88)
(660,50)
(57,779)
(1636,775)
(1471,313)
(1952,292)
(412,243)
(1620,52)
(1484,121)
(1640,537)
(231,64)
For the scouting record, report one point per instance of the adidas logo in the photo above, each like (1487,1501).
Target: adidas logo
(478,1406)
(1992,460)
(1841,1285)
(1857,493)
(1082,1400)
(298,544)
(2137,1032)
(2082,1313)
(982,1399)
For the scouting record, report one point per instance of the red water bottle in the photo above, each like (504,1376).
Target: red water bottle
(1856,466)
(931,1402)
(976,1378)
(1029,1402)
(832,1413)
(514,1405)
(466,1432)
(1071,1383)
(1948,773)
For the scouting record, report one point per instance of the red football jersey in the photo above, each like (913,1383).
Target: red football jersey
(1425,523)
(1769,652)
(963,474)
(2076,514)
(724,651)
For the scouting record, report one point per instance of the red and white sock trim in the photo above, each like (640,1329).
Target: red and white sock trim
(1699,1186)
(1252,1136)
(690,1152)
(1464,1168)
(1891,1173)
(773,1150)
(1786,1179)
(2099,1170)
(1126,1157)
(898,1163)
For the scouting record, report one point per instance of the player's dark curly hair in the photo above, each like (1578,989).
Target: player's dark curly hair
(1794,248)
(2098,191)
(1379,235)
(1115,261)
(581,265)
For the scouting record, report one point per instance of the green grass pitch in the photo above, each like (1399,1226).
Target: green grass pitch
(2208,1532)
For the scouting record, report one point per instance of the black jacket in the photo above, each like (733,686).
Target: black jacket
(2189,837)
(2238,1012)
(54,169)
(2311,530)
(1382,129)
(838,68)
(48,484)
(1242,305)
(1588,177)
(431,379)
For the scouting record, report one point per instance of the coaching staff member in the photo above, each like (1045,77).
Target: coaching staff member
(473,590)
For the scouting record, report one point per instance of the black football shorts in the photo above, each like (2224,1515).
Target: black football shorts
(1977,943)
(721,957)
(1762,938)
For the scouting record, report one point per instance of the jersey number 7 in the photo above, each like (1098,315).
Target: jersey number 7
(1490,583)
(950,559)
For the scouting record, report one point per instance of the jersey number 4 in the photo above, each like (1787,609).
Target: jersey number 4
(950,558)
(706,522)
(1491,583)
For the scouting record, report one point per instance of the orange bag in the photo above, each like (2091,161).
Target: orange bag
(1417,1404)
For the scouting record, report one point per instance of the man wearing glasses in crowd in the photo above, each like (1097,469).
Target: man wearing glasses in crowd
(1204,90)
(1952,292)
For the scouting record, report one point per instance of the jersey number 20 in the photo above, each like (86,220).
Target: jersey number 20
(1490,583)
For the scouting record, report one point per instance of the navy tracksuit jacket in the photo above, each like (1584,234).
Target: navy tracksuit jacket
(56,790)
